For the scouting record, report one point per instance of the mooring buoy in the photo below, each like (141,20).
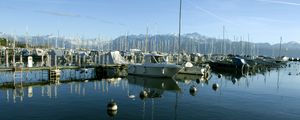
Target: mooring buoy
(112,106)
(215,86)
(197,80)
(219,75)
(193,90)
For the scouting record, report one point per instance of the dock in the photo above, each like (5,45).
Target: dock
(50,75)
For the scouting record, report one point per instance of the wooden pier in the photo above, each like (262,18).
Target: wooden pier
(53,76)
(39,68)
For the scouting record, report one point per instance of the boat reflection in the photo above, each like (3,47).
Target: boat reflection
(157,83)
(187,78)
(237,75)
(153,88)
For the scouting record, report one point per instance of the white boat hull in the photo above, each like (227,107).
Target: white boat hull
(193,70)
(153,70)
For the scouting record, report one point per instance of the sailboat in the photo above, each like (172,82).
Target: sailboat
(281,59)
(188,67)
(153,65)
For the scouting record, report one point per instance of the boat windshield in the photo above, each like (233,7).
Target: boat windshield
(157,59)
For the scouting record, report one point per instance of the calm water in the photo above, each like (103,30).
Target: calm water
(270,95)
(42,75)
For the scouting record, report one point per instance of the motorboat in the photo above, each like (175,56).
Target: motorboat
(230,64)
(154,65)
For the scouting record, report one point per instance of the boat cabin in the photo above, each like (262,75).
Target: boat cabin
(154,58)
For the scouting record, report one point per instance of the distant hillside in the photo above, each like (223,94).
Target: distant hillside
(192,43)
(5,42)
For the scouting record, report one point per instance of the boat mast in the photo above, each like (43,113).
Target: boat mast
(248,45)
(224,45)
(14,51)
(212,47)
(280,47)
(126,42)
(205,52)
(26,37)
(56,39)
(179,31)
(146,41)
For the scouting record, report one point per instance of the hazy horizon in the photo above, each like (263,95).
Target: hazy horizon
(106,38)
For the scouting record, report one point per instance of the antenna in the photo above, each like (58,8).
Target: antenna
(146,41)
(56,39)
(224,45)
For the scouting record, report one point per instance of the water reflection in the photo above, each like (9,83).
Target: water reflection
(167,98)
(153,87)
(246,78)
(187,78)
(77,88)
(42,75)
(154,83)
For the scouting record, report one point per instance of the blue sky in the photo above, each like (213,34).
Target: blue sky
(263,20)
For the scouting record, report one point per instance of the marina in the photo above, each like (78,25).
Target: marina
(147,60)
(113,64)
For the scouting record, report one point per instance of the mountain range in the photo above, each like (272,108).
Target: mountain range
(191,43)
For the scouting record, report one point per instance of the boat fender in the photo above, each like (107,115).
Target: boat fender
(193,90)
(206,75)
(163,85)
